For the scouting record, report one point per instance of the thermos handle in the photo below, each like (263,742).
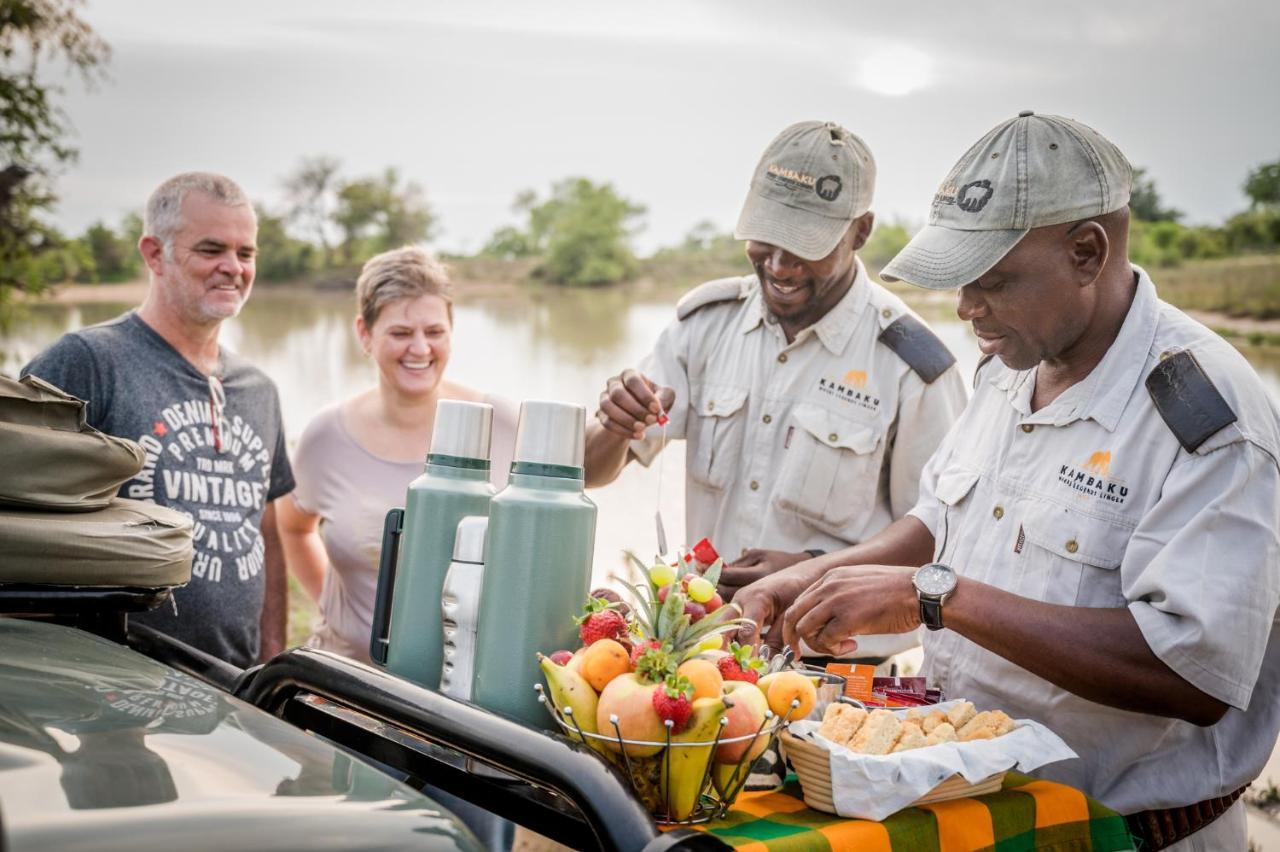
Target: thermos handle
(379,638)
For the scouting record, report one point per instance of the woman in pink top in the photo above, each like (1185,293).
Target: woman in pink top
(356,458)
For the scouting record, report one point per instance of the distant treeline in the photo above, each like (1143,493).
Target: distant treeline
(581,232)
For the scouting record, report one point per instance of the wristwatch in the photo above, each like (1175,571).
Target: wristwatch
(934,584)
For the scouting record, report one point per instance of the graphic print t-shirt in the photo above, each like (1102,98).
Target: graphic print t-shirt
(139,387)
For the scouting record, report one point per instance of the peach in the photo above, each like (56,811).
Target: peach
(745,718)
(630,698)
(603,661)
(705,677)
(788,686)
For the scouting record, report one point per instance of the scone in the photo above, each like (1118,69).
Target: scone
(878,734)
(911,737)
(992,722)
(933,720)
(960,714)
(941,733)
(841,721)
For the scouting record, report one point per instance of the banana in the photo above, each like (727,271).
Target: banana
(682,778)
(722,776)
(568,689)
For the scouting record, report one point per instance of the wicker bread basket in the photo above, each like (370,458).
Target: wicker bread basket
(813,767)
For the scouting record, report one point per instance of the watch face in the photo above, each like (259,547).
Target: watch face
(935,579)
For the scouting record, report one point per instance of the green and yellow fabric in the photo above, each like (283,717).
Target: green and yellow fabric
(1024,815)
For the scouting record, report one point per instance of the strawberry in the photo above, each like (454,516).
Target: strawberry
(606,624)
(655,663)
(740,664)
(673,702)
(602,621)
(561,658)
(639,649)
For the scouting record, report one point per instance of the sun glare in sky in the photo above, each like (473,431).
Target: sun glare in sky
(895,71)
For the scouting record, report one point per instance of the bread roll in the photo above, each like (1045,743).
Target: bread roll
(960,714)
(878,734)
(933,720)
(841,721)
(911,737)
(942,733)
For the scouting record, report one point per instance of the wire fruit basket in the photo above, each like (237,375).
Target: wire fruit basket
(682,784)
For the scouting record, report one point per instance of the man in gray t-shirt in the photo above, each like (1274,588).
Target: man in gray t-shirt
(208,421)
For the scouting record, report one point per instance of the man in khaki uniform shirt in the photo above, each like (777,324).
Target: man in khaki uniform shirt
(809,396)
(1103,517)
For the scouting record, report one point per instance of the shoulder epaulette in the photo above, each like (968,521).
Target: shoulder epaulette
(1186,398)
(913,342)
(720,290)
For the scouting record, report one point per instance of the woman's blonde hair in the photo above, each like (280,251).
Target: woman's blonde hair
(403,273)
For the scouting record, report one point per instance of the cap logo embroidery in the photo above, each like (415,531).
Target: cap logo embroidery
(975,195)
(828,187)
(790,178)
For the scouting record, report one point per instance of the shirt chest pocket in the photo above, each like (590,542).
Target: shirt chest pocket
(1071,558)
(715,451)
(831,467)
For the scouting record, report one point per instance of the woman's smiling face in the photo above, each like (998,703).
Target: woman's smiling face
(410,342)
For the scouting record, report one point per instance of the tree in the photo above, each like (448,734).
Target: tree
(886,240)
(33,128)
(377,213)
(1145,202)
(582,232)
(1263,185)
(280,256)
(310,190)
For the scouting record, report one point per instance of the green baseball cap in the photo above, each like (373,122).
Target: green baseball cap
(814,179)
(1028,172)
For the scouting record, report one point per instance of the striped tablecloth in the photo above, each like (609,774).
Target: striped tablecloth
(1025,815)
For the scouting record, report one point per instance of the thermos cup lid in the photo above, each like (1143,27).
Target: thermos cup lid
(551,433)
(462,429)
(468,544)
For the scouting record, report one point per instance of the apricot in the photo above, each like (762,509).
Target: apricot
(705,677)
(788,686)
(604,660)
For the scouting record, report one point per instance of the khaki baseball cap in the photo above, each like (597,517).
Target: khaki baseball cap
(813,180)
(1029,172)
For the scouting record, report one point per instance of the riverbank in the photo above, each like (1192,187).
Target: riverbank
(1237,297)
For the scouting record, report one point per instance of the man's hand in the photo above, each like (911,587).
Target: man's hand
(755,565)
(764,602)
(631,402)
(854,600)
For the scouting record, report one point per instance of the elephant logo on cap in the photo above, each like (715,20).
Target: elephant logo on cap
(828,187)
(975,195)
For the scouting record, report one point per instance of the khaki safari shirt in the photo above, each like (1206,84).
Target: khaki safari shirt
(1094,501)
(818,443)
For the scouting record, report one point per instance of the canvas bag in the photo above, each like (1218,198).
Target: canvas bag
(129,543)
(51,457)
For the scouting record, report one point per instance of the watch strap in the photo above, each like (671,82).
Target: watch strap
(931,613)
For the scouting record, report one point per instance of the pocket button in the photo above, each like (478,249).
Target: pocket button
(1072,546)
(998,512)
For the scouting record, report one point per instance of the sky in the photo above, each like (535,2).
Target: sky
(671,102)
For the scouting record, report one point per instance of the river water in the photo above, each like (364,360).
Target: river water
(535,344)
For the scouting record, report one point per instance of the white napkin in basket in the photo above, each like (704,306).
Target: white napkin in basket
(871,786)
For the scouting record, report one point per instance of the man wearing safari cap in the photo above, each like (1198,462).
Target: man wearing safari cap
(1102,520)
(809,396)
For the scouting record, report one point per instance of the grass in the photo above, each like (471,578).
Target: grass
(1245,286)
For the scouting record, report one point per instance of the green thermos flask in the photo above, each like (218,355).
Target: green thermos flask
(406,636)
(537,561)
